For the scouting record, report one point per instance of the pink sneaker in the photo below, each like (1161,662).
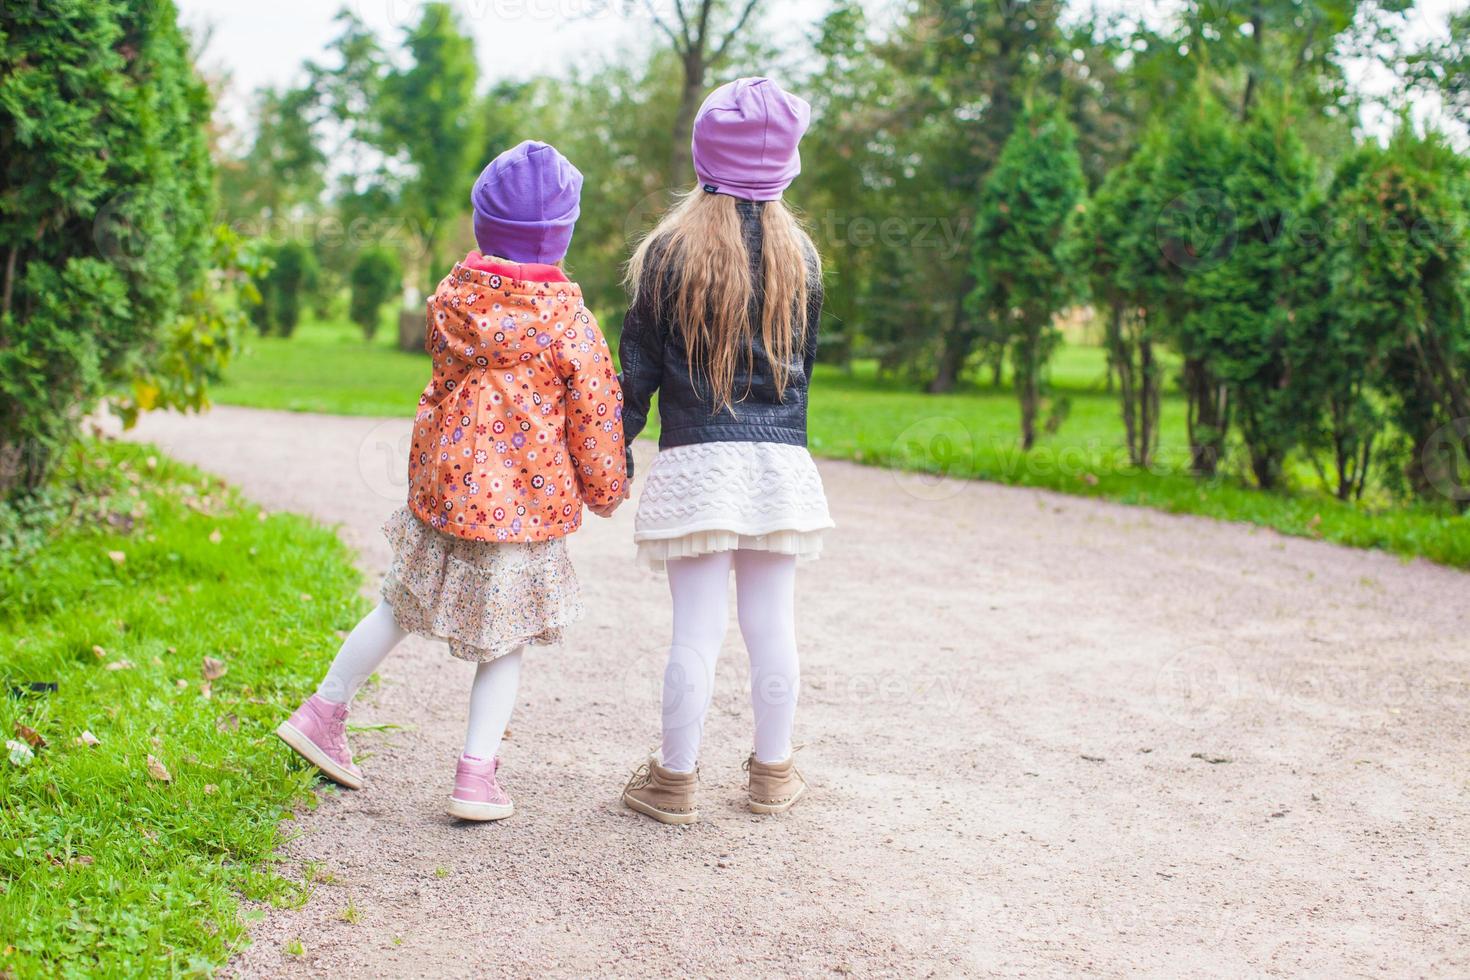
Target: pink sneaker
(477,796)
(318,731)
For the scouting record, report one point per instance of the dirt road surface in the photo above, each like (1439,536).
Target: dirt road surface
(1048,737)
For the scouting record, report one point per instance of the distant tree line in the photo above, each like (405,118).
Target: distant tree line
(975,170)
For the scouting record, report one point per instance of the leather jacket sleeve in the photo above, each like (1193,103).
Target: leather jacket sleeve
(815,298)
(641,350)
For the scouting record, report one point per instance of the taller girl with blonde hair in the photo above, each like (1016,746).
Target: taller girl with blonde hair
(726,295)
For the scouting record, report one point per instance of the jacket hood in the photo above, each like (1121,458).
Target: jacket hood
(503,319)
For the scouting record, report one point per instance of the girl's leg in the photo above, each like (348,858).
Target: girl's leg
(365,648)
(699,587)
(492,699)
(766,591)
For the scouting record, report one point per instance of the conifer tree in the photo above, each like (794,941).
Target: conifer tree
(1020,259)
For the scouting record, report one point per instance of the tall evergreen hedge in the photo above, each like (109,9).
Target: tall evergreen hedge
(105,193)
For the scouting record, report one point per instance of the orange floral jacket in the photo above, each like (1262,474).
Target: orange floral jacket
(523,420)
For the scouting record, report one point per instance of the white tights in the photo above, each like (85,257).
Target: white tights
(492,696)
(765,586)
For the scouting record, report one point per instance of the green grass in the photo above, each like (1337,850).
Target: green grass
(130,574)
(327,367)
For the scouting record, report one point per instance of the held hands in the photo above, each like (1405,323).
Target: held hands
(608,510)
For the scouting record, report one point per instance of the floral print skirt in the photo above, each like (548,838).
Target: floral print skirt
(484,598)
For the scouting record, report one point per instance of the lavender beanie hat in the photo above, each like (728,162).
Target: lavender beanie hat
(746,137)
(527,203)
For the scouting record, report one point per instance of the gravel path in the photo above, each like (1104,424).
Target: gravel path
(1048,736)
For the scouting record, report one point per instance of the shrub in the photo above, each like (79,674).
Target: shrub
(104,232)
(1196,232)
(1116,247)
(286,286)
(377,277)
(1022,277)
(1254,331)
(1402,274)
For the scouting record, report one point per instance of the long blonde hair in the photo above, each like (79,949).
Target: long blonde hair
(697,252)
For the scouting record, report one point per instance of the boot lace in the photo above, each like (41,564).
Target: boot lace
(641,777)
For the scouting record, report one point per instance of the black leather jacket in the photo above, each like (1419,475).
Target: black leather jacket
(654,360)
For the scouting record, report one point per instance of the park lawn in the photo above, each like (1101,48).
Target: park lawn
(327,368)
(970,434)
(136,571)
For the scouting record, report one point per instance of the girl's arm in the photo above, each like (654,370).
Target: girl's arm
(594,412)
(813,325)
(641,348)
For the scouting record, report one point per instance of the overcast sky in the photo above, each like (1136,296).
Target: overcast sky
(265,42)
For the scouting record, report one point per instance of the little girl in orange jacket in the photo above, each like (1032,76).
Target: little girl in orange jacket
(520,425)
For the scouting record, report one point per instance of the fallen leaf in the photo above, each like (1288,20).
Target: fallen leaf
(88,739)
(228,723)
(214,668)
(31,736)
(82,859)
(210,789)
(1090,479)
(306,597)
(1095,758)
(1214,760)
(20,752)
(118,557)
(215,537)
(205,690)
(98,652)
(120,665)
(159,771)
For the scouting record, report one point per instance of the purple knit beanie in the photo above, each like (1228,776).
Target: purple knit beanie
(527,203)
(746,137)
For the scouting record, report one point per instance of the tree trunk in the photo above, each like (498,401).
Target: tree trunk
(1028,382)
(1148,440)
(1120,365)
(411,330)
(1267,470)
(681,161)
(955,348)
(948,373)
(9,295)
(1208,416)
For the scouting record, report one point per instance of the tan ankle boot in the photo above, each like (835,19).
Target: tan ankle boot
(774,787)
(667,797)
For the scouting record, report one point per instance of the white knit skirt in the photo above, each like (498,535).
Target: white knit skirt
(726,496)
